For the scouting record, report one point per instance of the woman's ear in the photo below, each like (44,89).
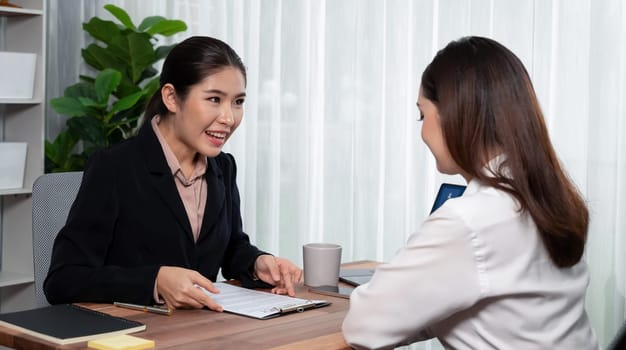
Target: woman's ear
(168,95)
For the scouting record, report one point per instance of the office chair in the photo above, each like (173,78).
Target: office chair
(53,195)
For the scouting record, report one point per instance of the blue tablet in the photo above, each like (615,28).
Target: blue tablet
(447,191)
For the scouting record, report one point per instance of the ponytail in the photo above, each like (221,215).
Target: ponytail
(155,106)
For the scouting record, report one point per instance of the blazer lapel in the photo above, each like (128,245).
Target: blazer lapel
(161,176)
(215,197)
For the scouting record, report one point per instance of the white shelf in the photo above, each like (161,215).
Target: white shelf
(10,191)
(8,278)
(17,101)
(18,11)
(23,120)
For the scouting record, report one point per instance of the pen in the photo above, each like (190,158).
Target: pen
(153,309)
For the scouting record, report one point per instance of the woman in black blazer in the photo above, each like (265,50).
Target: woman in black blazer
(130,236)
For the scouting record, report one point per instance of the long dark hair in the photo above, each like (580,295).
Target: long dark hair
(189,62)
(487,104)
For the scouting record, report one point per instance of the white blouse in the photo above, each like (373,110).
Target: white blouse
(476,276)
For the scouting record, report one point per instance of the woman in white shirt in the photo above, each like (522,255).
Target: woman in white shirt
(499,267)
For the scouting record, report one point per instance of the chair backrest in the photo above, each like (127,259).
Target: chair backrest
(53,195)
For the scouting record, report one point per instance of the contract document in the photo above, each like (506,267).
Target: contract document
(258,304)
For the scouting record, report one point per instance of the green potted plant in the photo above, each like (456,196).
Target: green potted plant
(105,109)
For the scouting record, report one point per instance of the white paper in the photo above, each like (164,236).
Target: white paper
(258,304)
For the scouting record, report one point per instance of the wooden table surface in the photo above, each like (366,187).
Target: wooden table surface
(204,329)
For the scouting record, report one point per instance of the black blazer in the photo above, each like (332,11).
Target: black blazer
(128,220)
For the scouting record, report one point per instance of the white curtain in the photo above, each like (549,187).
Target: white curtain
(329,149)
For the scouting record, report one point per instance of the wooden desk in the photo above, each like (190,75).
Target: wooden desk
(203,329)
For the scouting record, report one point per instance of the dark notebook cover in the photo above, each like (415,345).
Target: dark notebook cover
(67,323)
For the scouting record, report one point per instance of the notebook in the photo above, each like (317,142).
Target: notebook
(447,191)
(258,304)
(68,323)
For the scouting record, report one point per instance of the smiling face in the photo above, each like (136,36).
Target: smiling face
(204,120)
(432,135)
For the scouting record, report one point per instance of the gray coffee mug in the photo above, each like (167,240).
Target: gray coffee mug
(321,264)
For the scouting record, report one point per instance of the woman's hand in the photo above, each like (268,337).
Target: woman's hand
(177,286)
(279,272)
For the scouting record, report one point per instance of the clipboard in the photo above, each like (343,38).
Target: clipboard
(258,304)
(447,191)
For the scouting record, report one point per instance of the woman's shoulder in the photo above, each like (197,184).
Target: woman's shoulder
(120,150)
(222,166)
(483,205)
(225,162)
(493,222)
(225,159)
(465,218)
(113,157)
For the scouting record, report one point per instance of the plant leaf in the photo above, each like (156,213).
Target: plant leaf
(75,162)
(126,88)
(80,89)
(58,152)
(68,106)
(121,15)
(101,58)
(148,73)
(149,22)
(89,102)
(139,53)
(151,87)
(90,128)
(125,125)
(101,30)
(87,79)
(126,121)
(162,51)
(56,149)
(106,82)
(126,102)
(167,27)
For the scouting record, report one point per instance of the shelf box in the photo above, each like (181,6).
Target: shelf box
(12,164)
(17,70)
